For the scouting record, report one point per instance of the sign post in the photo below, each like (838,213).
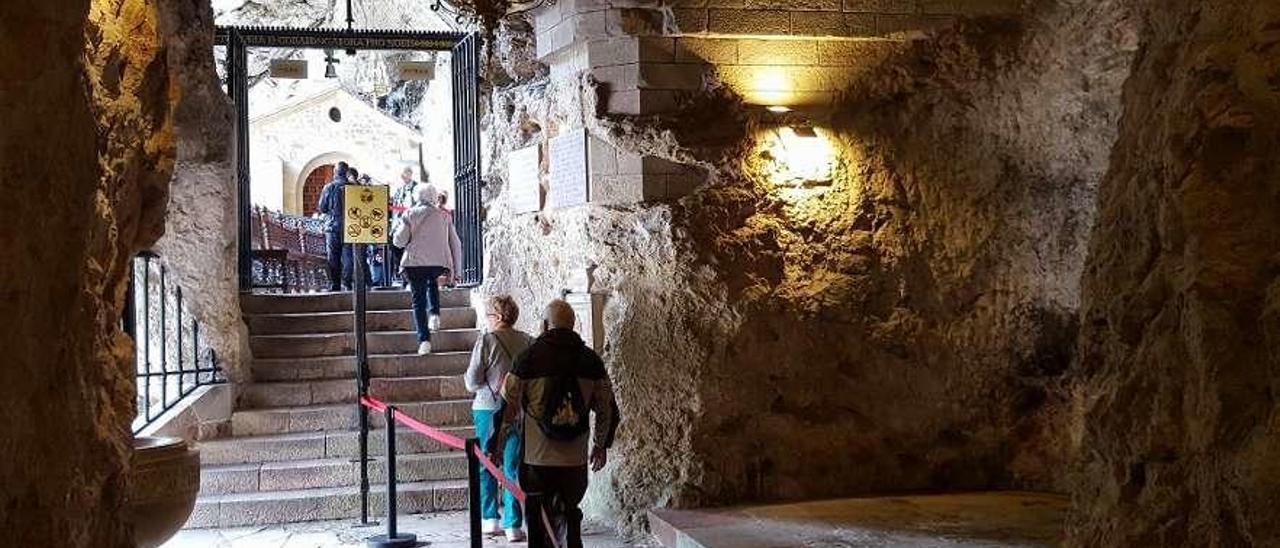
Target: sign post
(364,222)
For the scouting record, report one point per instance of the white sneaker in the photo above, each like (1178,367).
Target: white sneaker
(434,322)
(424,348)
(515,535)
(490,527)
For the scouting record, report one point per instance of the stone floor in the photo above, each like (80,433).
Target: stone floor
(443,530)
(1001,519)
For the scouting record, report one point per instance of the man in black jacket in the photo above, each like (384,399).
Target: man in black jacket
(556,383)
(331,205)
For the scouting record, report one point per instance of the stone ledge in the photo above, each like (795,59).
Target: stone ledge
(853,19)
(202,414)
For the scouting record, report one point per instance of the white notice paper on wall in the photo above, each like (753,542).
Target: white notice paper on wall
(567,185)
(522,170)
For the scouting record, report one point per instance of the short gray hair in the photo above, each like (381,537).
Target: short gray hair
(427,195)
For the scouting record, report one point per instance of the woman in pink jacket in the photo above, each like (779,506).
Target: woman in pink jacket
(431,249)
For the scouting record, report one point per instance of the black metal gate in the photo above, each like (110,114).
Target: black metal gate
(465,50)
(466,158)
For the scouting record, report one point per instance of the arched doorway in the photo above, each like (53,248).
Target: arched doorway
(315,182)
(464,63)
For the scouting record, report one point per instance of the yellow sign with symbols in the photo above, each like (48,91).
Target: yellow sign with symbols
(365,219)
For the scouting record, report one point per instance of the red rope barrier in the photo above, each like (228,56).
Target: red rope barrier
(458,443)
(416,425)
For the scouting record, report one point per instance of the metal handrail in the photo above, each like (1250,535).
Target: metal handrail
(170,371)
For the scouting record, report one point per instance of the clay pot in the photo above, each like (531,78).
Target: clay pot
(163,485)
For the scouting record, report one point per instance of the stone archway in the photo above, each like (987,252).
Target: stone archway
(296,200)
(312,185)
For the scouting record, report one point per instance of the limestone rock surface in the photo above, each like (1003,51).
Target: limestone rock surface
(88,127)
(907,326)
(201,226)
(1181,320)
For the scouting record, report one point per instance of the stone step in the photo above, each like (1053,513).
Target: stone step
(341,444)
(342,344)
(344,367)
(344,322)
(392,389)
(319,473)
(312,418)
(337,302)
(270,507)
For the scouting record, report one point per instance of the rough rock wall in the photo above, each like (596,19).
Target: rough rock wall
(87,134)
(907,327)
(201,227)
(1181,320)
(629,254)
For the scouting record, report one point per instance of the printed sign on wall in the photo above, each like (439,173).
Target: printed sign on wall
(365,219)
(523,170)
(567,184)
(294,69)
(417,70)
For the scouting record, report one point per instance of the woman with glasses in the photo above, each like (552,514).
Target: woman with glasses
(491,360)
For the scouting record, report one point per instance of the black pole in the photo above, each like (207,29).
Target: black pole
(392,539)
(146,333)
(359,305)
(238,86)
(164,339)
(391,471)
(364,464)
(473,492)
(129,317)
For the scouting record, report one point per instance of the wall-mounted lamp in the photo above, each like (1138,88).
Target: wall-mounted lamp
(805,132)
(804,156)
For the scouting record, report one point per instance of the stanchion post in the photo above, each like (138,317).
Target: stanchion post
(359,306)
(393,538)
(364,464)
(391,471)
(473,492)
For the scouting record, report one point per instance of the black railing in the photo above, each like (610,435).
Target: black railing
(466,160)
(171,358)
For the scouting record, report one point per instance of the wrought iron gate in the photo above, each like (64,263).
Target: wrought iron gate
(466,158)
(465,49)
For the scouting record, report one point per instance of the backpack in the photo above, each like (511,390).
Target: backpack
(564,410)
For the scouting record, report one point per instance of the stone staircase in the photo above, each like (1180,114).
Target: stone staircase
(293,451)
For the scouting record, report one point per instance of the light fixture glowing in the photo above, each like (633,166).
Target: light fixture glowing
(803,157)
(806,132)
(779,109)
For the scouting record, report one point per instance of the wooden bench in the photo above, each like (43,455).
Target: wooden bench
(270,266)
